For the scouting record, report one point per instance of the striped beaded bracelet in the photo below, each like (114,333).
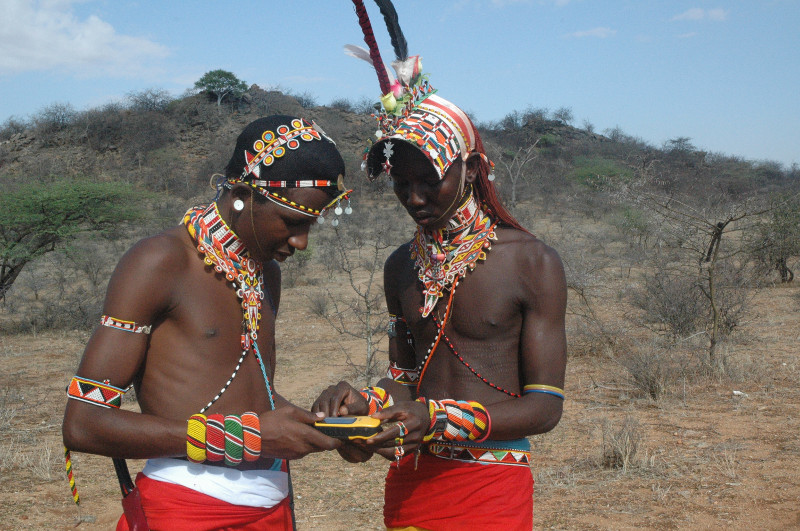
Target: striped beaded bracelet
(196,438)
(457,420)
(251,427)
(215,438)
(377,398)
(234,440)
(230,438)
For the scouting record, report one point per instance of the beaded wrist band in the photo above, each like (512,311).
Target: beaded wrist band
(96,393)
(196,438)
(457,420)
(215,438)
(234,440)
(125,326)
(377,398)
(231,438)
(544,389)
(251,426)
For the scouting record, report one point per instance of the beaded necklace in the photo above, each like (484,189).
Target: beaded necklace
(223,250)
(445,255)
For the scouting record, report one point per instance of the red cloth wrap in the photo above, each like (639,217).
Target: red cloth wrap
(445,495)
(177,508)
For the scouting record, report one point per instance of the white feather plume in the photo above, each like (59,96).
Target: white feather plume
(362,53)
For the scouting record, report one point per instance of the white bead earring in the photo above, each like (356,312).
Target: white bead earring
(238,205)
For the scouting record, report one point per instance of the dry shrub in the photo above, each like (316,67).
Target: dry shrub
(560,477)
(10,400)
(293,270)
(651,368)
(590,337)
(731,364)
(318,304)
(671,301)
(621,444)
(725,461)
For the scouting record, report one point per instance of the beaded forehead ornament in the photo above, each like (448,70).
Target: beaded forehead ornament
(271,146)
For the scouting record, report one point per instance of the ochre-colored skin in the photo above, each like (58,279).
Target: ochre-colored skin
(507,322)
(195,341)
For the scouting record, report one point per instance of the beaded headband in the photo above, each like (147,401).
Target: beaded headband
(436,127)
(273,145)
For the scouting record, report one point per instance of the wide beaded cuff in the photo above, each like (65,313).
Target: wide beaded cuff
(456,420)
(377,398)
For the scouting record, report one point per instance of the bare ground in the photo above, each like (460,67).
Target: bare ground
(708,458)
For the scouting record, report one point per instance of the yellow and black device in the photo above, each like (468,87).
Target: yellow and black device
(349,428)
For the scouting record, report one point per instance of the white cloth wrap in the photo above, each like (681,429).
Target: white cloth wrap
(251,488)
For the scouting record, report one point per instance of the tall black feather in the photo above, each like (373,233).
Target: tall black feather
(393,25)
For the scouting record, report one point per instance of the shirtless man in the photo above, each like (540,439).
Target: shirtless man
(189,322)
(477,347)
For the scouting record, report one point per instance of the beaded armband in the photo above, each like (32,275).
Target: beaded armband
(96,393)
(101,394)
(456,420)
(125,326)
(544,389)
(402,376)
(251,428)
(228,438)
(377,398)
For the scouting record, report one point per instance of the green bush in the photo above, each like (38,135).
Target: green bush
(596,173)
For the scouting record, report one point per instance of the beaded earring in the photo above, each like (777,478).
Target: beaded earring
(238,205)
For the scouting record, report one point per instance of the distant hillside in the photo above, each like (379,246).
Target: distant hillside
(175,146)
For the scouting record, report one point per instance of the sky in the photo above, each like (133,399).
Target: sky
(724,73)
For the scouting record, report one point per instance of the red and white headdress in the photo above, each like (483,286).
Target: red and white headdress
(413,112)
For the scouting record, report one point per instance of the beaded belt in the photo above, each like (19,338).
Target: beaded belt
(516,452)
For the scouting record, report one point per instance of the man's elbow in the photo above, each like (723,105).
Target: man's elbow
(73,435)
(551,420)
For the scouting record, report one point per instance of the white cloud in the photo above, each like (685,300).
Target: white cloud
(46,34)
(697,13)
(601,33)
(717,14)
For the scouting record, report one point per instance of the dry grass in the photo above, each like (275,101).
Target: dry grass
(650,437)
(621,444)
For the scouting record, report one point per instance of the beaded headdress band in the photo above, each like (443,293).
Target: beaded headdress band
(411,111)
(271,146)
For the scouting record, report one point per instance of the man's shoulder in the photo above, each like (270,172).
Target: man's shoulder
(400,256)
(528,251)
(162,253)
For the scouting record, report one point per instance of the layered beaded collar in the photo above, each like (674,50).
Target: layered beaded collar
(223,250)
(445,255)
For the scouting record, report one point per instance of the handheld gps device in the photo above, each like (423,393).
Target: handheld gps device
(349,428)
